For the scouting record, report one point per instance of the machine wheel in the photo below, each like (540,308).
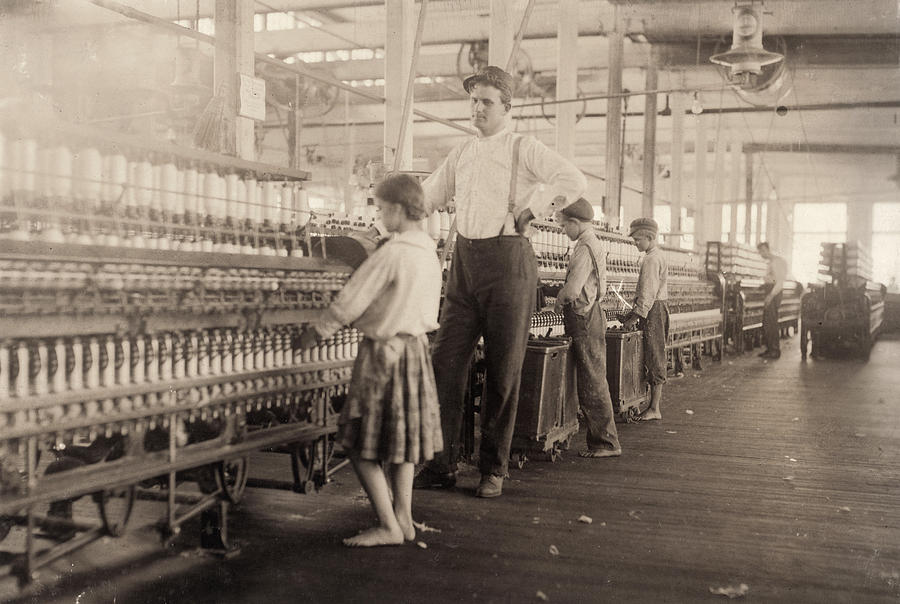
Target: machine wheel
(316,457)
(115,508)
(302,475)
(231,477)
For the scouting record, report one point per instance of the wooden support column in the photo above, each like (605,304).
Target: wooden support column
(613,200)
(650,117)
(567,77)
(701,228)
(715,232)
(736,153)
(400,16)
(502,32)
(678,107)
(773,222)
(748,197)
(234,56)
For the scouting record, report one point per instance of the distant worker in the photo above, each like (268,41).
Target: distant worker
(776,273)
(585,321)
(496,180)
(650,312)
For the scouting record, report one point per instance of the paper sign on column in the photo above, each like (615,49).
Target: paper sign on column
(253,98)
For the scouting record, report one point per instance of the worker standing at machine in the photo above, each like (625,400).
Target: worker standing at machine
(495,180)
(776,273)
(650,311)
(391,414)
(585,321)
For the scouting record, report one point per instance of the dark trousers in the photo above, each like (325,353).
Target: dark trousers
(770,324)
(588,333)
(490,293)
(656,333)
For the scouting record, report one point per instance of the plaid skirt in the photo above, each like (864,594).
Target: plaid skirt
(391,413)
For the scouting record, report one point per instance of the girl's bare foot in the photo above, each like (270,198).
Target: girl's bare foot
(377,535)
(408,528)
(646,416)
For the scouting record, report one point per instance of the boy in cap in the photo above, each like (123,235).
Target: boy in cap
(650,309)
(585,321)
(495,179)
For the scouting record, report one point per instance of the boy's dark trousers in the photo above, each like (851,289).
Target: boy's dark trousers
(588,333)
(770,322)
(490,293)
(655,334)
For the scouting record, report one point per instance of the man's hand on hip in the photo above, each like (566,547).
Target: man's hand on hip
(523,222)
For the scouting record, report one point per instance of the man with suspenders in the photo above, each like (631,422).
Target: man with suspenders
(495,179)
(585,322)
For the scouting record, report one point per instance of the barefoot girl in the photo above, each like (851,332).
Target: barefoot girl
(390,420)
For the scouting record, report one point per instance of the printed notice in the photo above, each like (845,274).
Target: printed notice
(253,98)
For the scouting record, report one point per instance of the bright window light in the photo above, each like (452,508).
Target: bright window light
(814,224)
(315,56)
(280,21)
(206,26)
(362,54)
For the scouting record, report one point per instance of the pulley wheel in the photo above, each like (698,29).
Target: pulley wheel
(231,477)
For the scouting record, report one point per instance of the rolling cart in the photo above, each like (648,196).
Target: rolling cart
(628,385)
(547,417)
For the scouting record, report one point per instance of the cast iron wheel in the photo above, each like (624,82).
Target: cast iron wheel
(302,475)
(115,508)
(231,477)
(315,457)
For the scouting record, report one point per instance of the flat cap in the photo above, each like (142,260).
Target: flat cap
(492,76)
(643,224)
(580,209)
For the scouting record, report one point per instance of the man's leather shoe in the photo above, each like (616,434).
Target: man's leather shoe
(429,479)
(763,354)
(490,486)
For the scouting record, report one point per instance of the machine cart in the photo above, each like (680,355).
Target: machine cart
(628,385)
(547,418)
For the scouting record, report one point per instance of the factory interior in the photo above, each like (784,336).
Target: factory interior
(186,186)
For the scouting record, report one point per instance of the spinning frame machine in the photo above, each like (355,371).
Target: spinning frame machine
(847,311)
(150,299)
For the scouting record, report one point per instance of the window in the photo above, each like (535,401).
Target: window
(815,223)
(886,244)
(280,21)
(206,26)
(663,216)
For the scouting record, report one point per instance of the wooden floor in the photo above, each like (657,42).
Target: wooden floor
(782,476)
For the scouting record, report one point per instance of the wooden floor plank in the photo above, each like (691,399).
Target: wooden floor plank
(785,476)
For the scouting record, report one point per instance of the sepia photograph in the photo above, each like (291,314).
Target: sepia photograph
(441,301)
